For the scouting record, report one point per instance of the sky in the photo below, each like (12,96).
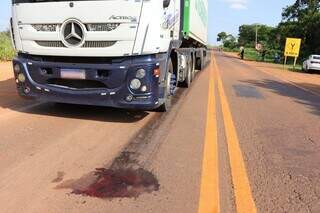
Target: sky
(5,12)
(228,15)
(224,15)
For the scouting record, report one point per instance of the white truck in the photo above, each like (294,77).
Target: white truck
(129,54)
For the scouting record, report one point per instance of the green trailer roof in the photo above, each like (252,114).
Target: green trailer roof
(190,7)
(186,18)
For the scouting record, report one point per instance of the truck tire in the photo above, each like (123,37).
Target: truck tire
(188,80)
(193,70)
(165,107)
(199,64)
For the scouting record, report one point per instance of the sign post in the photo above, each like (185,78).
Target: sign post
(292,49)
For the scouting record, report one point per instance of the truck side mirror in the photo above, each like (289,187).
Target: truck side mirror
(166,3)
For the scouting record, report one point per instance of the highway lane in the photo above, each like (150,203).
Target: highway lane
(50,155)
(239,140)
(278,127)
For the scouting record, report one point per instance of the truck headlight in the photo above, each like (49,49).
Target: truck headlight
(21,77)
(135,84)
(144,88)
(17,68)
(141,73)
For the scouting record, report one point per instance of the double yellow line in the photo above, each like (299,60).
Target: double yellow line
(209,192)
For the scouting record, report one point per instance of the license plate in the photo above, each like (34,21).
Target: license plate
(73,73)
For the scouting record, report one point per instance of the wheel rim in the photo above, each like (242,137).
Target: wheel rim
(172,83)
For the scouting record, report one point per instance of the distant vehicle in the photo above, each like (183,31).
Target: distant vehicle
(312,63)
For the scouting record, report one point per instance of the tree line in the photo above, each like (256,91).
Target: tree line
(6,50)
(299,20)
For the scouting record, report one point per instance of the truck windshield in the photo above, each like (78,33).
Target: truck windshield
(35,1)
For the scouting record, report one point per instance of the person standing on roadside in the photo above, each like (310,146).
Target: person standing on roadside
(242,52)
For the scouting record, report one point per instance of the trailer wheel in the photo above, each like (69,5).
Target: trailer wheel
(199,64)
(188,80)
(165,107)
(193,70)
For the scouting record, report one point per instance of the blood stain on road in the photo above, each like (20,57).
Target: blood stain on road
(120,183)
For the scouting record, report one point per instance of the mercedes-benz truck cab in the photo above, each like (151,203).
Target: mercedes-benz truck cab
(118,53)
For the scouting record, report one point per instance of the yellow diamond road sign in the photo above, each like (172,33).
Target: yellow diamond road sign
(292,47)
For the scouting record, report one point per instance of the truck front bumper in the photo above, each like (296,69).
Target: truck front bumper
(33,83)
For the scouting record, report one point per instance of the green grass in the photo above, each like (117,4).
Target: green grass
(252,55)
(6,50)
(297,68)
(226,49)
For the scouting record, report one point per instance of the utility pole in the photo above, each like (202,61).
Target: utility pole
(256,34)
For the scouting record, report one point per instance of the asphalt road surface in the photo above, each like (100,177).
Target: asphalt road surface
(241,139)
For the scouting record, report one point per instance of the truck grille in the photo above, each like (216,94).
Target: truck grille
(45,27)
(50,43)
(87,44)
(96,27)
(98,44)
(76,84)
(102,27)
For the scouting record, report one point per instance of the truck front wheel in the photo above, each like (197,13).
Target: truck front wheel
(168,89)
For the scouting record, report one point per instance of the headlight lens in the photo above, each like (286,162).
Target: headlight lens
(21,78)
(17,68)
(141,73)
(144,88)
(135,84)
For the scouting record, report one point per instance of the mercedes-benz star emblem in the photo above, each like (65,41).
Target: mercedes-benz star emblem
(73,34)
